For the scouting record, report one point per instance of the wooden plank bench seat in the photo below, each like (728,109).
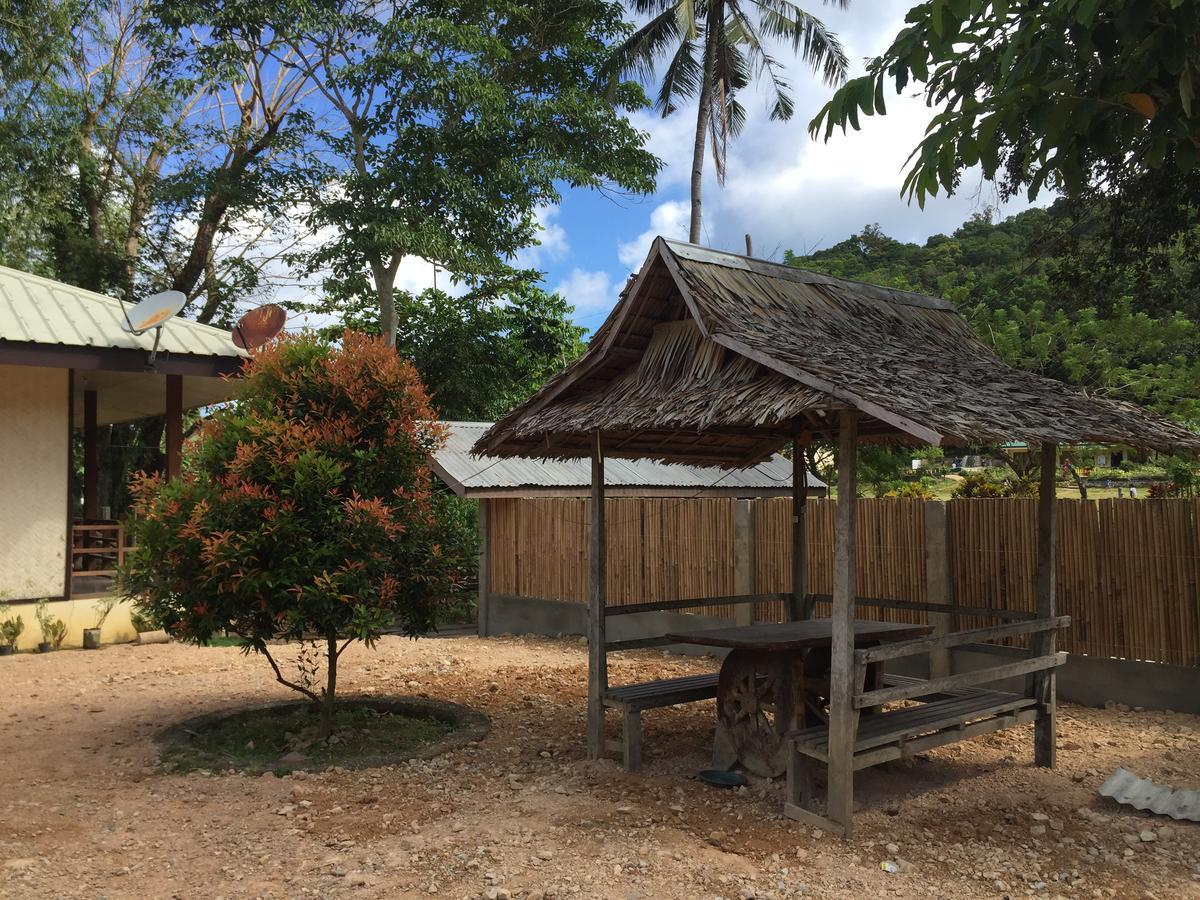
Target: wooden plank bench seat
(631,699)
(901,733)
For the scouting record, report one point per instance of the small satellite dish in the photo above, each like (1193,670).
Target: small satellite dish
(258,326)
(154,312)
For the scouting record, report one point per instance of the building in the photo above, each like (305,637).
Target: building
(68,367)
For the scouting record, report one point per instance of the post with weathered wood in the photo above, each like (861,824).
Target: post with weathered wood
(843,717)
(173,439)
(743,559)
(485,554)
(1045,685)
(597,558)
(91,457)
(799,606)
(937,581)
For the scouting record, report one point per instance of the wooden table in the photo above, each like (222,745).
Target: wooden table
(774,680)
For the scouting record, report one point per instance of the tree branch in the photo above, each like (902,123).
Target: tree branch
(279,677)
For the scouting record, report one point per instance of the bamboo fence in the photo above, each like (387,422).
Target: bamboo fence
(1128,571)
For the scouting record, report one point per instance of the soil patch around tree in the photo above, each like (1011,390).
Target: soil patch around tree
(282,737)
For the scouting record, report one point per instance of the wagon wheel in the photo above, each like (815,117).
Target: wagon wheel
(757,696)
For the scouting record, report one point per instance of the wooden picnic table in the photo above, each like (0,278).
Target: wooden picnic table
(775,679)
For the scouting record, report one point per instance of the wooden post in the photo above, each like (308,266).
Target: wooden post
(743,559)
(937,581)
(1045,686)
(174,426)
(843,717)
(749,246)
(91,458)
(485,552)
(799,606)
(597,566)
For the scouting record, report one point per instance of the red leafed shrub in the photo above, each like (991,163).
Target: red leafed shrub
(304,511)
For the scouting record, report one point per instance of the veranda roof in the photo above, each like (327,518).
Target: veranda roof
(712,358)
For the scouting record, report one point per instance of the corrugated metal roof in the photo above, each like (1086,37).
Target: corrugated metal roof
(38,310)
(507,476)
(1142,793)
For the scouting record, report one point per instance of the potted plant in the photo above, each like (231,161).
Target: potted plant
(53,628)
(91,636)
(10,631)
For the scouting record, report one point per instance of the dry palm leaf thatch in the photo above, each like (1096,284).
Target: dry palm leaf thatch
(714,358)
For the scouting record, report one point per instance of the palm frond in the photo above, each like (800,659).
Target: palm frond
(742,30)
(681,79)
(731,73)
(638,53)
(816,45)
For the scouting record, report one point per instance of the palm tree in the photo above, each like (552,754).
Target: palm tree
(715,47)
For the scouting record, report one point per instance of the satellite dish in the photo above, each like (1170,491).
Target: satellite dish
(153,312)
(258,326)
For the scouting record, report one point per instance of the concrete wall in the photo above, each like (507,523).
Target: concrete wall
(78,614)
(34,450)
(1087,680)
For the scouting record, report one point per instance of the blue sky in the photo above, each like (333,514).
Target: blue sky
(787,191)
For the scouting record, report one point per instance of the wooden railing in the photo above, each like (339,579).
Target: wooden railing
(97,551)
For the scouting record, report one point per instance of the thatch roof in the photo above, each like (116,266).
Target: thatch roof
(714,358)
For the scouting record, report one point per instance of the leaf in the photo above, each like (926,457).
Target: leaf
(938,24)
(1143,103)
(1186,91)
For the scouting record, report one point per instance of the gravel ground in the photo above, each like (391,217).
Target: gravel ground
(85,812)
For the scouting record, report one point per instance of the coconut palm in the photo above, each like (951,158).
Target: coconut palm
(715,48)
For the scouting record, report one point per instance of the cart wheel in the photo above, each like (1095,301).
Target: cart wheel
(757,705)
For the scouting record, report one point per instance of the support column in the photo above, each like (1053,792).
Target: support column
(843,717)
(174,425)
(485,572)
(597,597)
(799,605)
(91,458)
(937,581)
(743,559)
(1045,683)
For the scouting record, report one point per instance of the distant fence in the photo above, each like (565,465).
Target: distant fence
(1128,570)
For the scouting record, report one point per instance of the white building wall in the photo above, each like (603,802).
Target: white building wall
(34,448)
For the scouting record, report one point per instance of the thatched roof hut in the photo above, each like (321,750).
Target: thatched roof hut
(712,358)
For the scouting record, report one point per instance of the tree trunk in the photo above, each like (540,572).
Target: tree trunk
(329,695)
(385,286)
(703,113)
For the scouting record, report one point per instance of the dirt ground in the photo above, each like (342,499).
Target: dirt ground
(84,811)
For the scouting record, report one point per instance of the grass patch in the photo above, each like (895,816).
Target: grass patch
(225,640)
(257,742)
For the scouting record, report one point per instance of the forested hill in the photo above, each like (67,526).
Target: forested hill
(1050,295)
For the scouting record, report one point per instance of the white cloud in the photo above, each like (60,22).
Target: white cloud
(668,219)
(553,244)
(591,293)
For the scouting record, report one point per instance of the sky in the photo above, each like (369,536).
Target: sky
(788,191)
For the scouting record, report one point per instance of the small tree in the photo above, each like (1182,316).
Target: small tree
(304,511)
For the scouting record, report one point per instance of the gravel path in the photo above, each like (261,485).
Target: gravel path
(85,813)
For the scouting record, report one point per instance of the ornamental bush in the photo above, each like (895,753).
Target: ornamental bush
(305,511)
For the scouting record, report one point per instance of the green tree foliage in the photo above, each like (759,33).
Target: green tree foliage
(1135,338)
(452,123)
(477,357)
(712,51)
(1058,92)
(306,509)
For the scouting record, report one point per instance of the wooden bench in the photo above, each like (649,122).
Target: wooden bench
(631,699)
(951,708)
